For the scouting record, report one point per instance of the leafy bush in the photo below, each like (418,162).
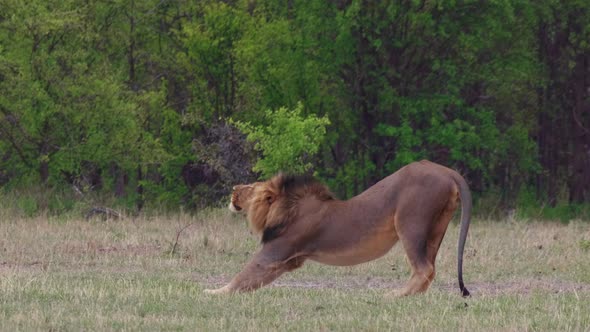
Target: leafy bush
(287,141)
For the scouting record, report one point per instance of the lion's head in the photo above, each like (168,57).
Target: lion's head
(241,196)
(272,205)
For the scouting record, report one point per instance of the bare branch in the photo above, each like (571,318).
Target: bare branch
(178,233)
(104,211)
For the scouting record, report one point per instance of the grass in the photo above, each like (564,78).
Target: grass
(148,273)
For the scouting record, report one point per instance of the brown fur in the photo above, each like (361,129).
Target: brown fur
(299,219)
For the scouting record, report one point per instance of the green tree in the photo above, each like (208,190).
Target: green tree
(563,135)
(69,111)
(135,97)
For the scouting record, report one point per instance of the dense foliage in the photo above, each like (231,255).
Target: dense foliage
(286,141)
(142,98)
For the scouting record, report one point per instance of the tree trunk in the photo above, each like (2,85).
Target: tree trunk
(44,171)
(548,119)
(139,189)
(121,180)
(579,184)
(44,154)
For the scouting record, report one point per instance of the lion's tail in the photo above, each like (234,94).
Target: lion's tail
(465,195)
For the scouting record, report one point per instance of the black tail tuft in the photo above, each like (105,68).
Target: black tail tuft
(464,291)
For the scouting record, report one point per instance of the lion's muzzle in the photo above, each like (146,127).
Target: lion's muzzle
(234,208)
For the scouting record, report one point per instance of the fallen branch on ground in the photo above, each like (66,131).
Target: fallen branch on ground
(103,211)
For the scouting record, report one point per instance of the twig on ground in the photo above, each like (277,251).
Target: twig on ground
(107,213)
(178,233)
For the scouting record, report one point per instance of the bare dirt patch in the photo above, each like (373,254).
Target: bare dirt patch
(529,286)
(30,266)
(95,248)
(523,287)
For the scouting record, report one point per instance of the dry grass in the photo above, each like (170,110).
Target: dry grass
(149,273)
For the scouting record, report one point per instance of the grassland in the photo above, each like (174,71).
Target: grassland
(148,273)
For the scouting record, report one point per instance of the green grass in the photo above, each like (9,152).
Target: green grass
(58,274)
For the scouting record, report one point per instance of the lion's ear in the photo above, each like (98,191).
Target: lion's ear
(270,198)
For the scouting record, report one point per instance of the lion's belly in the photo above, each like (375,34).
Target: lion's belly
(358,249)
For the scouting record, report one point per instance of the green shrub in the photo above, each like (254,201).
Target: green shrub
(286,141)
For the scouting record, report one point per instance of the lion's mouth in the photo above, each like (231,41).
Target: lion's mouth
(234,208)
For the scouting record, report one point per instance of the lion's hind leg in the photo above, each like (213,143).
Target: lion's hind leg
(423,273)
(413,231)
(421,243)
(437,233)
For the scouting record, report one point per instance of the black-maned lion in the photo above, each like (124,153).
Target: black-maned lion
(299,219)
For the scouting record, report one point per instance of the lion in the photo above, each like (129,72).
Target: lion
(299,219)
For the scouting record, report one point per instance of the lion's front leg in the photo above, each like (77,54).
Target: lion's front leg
(252,277)
(222,290)
(263,269)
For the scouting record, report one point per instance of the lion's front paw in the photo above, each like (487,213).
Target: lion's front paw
(222,290)
(394,294)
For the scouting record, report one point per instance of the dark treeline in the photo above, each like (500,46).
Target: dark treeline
(141,98)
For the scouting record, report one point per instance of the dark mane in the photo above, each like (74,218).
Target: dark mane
(295,187)
(291,189)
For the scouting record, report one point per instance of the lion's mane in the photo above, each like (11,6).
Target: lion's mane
(275,202)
